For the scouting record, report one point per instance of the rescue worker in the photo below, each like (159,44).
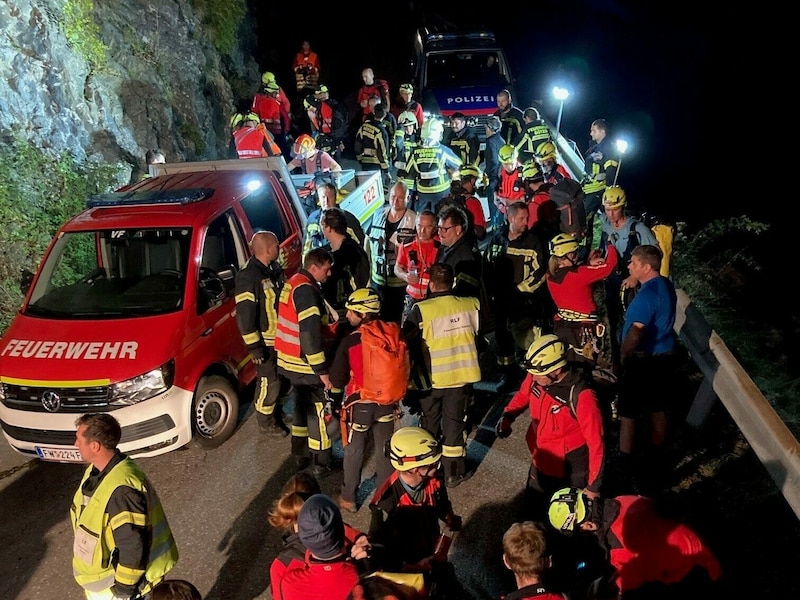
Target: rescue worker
(407,508)
(494,141)
(516,261)
(260,97)
(643,546)
(361,417)
(123,544)
(328,197)
(543,217)
(511,116)
(389,229)
(451,359)
(469,175)
(328,574)
(536,132)
(250,139)
(600,169)
(350,269)
(565,436)
(431,166)
(299,341)
(457,250)
(306,68)
(406,139)
(571,283)
(525,555)
(405,102)
(309,159)
(462,139)
(624,232)
(258,287)
(326,118)
(547,157)
(273,114)
(414,258)
(510,186)
(372,87)
(372,141)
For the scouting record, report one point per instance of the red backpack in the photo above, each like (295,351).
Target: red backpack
(386,362)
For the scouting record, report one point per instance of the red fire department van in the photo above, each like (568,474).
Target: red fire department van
(132,310)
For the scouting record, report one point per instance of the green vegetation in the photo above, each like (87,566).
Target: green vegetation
(83,33)
(39,192)
(720,268)
(222,19)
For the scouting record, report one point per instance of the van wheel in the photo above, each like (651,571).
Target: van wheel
(215,411)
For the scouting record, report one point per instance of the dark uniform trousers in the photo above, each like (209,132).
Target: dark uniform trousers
(444,414)
(270,387)
(309,434)
(363,417)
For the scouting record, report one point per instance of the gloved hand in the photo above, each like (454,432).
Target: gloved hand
(503,427)
(258,356)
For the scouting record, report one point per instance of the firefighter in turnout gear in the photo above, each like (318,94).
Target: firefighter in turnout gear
(372,141)
(516,261)
(535,133)
(446,327)
(258,287)
(303,320)
(406,138)
(431,167)
(600,170)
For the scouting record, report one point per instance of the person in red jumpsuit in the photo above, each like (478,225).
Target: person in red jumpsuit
(565,436)
(655,555)
(571,283)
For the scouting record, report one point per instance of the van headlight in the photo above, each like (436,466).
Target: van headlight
(142,387)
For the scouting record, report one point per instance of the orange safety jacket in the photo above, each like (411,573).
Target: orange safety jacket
(510,188)
(255,142)
(306,363)
(272,114)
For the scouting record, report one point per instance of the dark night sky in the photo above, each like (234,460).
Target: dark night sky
(645,69)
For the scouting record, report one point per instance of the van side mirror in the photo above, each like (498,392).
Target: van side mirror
(25,281)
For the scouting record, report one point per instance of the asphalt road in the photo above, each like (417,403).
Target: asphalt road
(217,503)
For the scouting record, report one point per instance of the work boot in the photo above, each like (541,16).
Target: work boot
(271,426)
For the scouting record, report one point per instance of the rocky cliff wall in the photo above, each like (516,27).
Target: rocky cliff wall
(106,80)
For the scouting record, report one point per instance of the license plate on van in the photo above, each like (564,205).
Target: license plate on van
(59,454)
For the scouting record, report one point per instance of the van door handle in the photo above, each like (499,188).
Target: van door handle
(207,332)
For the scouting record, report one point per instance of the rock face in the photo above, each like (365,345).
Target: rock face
(160,81)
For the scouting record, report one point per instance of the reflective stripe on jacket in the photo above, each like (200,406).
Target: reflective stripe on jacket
(94,532)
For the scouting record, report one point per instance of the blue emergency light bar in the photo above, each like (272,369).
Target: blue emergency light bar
(139,198)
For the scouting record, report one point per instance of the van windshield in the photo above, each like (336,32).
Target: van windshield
(465,68)
(112,274)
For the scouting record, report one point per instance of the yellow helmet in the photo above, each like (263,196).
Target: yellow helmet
(531,171)
(545,151)
(470,171)
(568,509)
(241,118)
(614,197)
(563,244)
(507,154)
(546,354)
(411,447)
(267,77)
(271,87)
(406,87)
(303,145)
(364,300)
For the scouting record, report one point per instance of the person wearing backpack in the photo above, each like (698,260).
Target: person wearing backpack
(446,326)
(372,383)
(624,232)
(565,435)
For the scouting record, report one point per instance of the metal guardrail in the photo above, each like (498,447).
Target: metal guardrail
(724,378)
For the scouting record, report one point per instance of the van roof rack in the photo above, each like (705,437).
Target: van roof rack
(138,198)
